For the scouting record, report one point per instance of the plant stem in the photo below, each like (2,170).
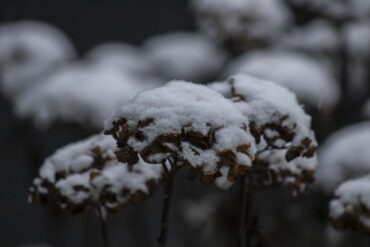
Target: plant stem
(103,226)
(162,240)
(244,238)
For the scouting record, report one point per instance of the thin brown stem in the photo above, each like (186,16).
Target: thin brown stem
(244,225)
(103,226)
(162,240)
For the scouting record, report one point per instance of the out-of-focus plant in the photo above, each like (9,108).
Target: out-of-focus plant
(87,175)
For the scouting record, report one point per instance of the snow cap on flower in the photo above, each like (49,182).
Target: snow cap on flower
(313,83)
(242,24)
(345,155)
(350,209)
(29,50)
(86,174)
(186,122)
(82,93)
(281,128)
(185,56)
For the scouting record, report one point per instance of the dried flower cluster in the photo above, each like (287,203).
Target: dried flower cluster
(282,130)
(351,207)
(242,23)
(187,124)
(87,174)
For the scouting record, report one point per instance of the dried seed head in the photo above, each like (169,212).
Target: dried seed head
(351,207)
(88,173)
(186,123)
(242,24)
(285,142)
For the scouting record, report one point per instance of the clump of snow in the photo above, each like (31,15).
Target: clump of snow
(318,38)
(281,128)
(87,173)
(358,38)
(351,207)
(79,93)
(338,9)
(187,123)
(28,50)
(185,56)
(309,79)
(295,174)
(345,155)
(123,57)
(242,22)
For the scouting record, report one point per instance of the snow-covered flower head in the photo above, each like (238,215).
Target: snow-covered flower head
(80,93)
(345,155)
(317,38)
(350,209)
(185,56)
(123,57)
(310,80)
(242,24)
(187,123)
(281,128)
(87,173)
(338,9)
(28,50)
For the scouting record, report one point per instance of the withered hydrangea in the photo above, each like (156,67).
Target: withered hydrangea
(281,128)
(185,124)
(242,24)
(29,50)
(86,174)
(351,207)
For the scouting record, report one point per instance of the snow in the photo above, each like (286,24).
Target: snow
(81,93)
(242,20)
(122,56)
(29,50)
(351,206)
(340,9)
(185,56)
(309,79)
(295,174)
(358,38)
(345,155)
(82,173)
(267,104)
(189,121)
(318,37)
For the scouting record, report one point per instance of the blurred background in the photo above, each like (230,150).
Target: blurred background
(65,66)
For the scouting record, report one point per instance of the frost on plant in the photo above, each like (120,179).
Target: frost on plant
(350,209)
(187,123)
(345,155)
(186,56)
(285,142)
(241,24)
(82,93)
(309,79)
(29,50)
(87,174)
